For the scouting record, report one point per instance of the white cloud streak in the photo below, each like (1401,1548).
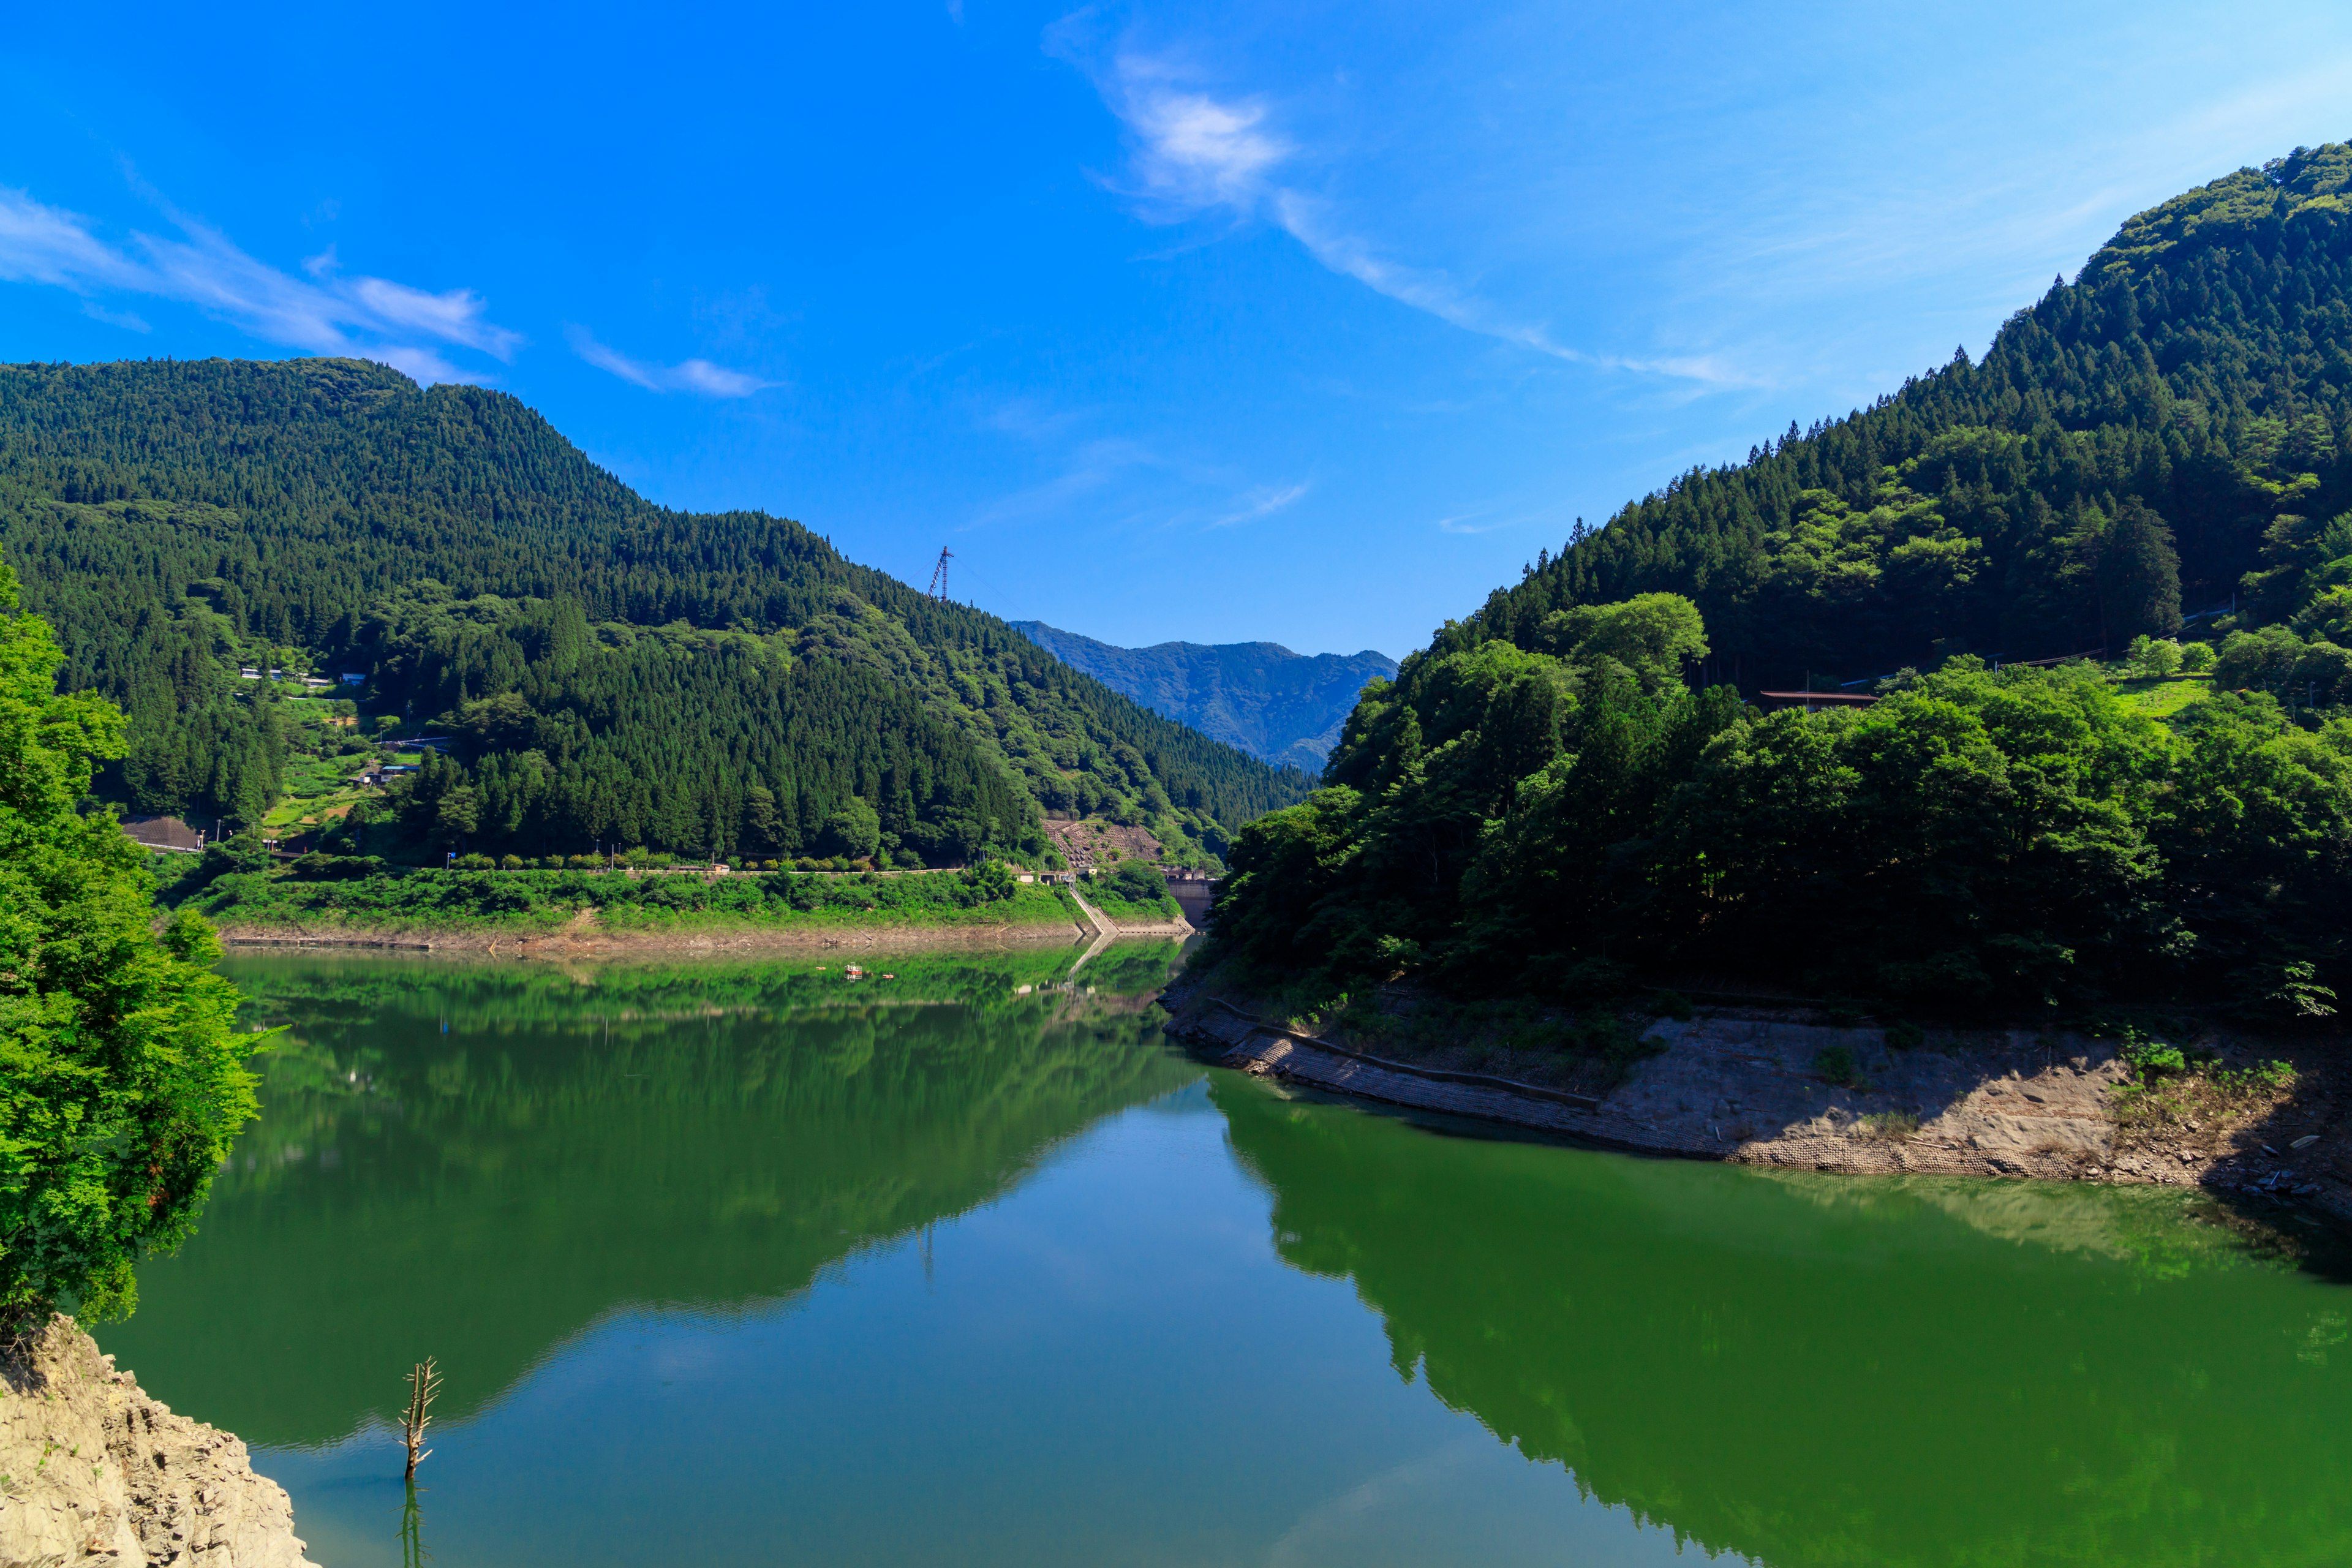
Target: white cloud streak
(1263,501)
(1194,154)
(370,317)
(696,375)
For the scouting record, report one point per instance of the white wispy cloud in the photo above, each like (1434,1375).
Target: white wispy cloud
(1192,153)
(129,321)
(1264,501)
(695,375)
(372,318)
(1088,470)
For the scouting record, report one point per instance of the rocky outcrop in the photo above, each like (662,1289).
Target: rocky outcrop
(92,1471)
(1750,1087)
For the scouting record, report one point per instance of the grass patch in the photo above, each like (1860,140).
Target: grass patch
(1162,910)
(2174,1092)
(2163,698)
(1891,1126)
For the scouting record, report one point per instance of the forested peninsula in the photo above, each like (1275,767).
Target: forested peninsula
(1579,791)
(297,576)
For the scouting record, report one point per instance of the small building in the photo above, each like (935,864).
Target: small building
(168,833)
(354,678)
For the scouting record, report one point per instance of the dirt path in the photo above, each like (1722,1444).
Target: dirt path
(1746,1087)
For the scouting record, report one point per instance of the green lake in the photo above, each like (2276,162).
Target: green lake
(760,1264)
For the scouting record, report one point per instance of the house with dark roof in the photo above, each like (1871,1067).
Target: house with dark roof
(165,833)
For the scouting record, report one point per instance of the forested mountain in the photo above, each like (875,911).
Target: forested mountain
(1283,707)
(1545,799)
(2165,432)
(609,669)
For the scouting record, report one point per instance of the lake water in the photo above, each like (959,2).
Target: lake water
(762,1265)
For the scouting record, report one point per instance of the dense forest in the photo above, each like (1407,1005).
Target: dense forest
(606,669)
(1567,790)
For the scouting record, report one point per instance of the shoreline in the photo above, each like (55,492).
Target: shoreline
(576,939)
(592,939)
(1738,1086)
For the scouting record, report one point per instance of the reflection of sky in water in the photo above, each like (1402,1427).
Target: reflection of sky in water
(1108,1364)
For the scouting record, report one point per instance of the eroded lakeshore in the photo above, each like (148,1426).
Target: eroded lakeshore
(1743,1086)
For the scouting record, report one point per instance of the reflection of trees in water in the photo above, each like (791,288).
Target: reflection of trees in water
(2167,1232)
(412,1532)
(1835,1372)
(489,1192)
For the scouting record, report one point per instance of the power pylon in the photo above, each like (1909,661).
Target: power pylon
(939,575)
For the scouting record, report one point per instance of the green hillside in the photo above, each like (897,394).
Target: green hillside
(608,671)
(1546,800)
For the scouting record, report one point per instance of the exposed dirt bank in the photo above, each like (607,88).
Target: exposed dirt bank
(588,939)
(1746,1085)
(93,1470)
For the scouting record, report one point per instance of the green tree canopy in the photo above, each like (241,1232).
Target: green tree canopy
(121,1083)
(1975,838)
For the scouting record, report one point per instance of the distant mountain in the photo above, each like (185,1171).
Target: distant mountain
(1258,697)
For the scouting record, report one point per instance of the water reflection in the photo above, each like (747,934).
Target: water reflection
(1817,1370)
(479,1161)
(668,1230)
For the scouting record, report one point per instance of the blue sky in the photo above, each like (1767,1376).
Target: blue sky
(1307,322)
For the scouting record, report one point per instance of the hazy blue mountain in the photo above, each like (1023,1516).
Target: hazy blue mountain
(1258,697)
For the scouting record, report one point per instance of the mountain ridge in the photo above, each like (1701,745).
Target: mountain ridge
(1282,707)
(176,519)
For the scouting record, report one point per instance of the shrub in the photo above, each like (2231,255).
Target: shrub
(221,857)
(1605,1037)
(509,862)
(2153,1059)
(2197,659)
(1671,1004)
(2153,657)
(1904,1036)
(1137,882)
(319,867)
(1836,1064)
(991,881)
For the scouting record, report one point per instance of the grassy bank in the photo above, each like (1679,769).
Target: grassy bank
(1162,910)
(539,903)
